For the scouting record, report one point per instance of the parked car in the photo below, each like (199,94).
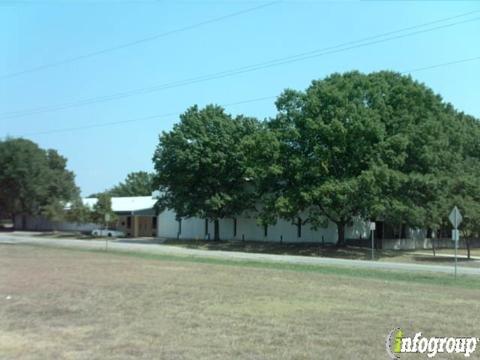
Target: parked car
(108,233)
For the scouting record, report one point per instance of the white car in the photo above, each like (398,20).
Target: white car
(107,233)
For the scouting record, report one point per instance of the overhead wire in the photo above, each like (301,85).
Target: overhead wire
(159,116)
(135,42)
(368,41)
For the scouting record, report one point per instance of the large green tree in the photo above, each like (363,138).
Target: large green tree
(139,183)
(201,165)
(376,145)
(329,136)
(32,180)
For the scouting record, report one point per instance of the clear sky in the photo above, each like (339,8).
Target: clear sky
(36,32)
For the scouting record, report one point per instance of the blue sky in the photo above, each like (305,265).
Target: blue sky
(34,33)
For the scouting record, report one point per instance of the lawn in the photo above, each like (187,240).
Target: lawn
(66,304)
(419,256)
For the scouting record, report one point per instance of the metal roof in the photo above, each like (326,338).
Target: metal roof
(126,204)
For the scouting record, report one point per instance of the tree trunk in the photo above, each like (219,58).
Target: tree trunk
(433,245)
(432,239)
(403,231)
(216,231)
(341,234)
(467,242)
(24,222)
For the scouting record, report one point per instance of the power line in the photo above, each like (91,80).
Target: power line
(150,117)
(442,65)
(136,42)
(371,40)
(113,123)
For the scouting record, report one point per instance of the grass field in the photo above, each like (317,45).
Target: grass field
(66,304)
(420,256)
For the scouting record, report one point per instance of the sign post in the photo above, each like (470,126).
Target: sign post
(455,218)
(107,220)
(372,231)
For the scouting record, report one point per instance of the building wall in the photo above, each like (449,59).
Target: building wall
(137,226)
(39,223)
(122,224)
(167,226)
(248,229)
(141,225)
(145,226)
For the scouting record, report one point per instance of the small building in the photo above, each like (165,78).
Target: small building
(136,215)
(136,218)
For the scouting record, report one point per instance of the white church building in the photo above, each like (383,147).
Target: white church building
(246,228)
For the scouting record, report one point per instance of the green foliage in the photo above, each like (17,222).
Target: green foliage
(202,167)
(377,145)
(32,179)
(103,209)
(138,183)
(78,212)
(55,212)
(329,136)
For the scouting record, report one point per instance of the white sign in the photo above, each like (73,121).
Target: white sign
(107,218)
(372,226)
(455,217)
(455,235)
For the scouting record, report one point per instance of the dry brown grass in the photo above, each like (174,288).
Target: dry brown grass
(80,305)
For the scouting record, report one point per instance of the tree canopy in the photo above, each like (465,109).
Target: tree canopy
(33,180)
(102,212)
(201,165)
(376,146)
(139,183)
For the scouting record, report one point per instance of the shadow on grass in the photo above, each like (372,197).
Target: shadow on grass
(441,259)
(88,236)
(140,241)
(67,235)
(301,249)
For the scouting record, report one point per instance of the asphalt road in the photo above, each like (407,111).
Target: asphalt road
(31,239)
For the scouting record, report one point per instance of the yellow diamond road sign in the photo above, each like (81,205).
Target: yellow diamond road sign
(455,217)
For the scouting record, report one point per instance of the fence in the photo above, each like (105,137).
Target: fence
(412,244)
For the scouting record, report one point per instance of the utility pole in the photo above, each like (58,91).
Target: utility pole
(455,218)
